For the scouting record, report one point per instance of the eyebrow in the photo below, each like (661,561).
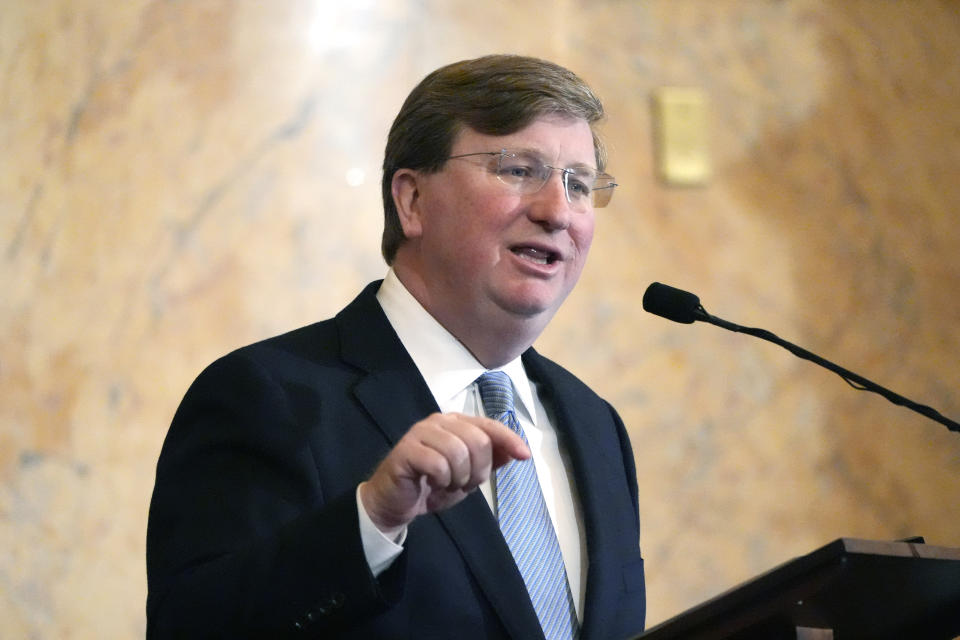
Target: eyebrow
(542,157)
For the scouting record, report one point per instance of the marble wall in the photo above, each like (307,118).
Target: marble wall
(181,178)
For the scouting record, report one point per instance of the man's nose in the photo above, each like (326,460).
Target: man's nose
(550,205)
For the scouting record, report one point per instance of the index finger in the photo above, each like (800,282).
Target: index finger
(505,443)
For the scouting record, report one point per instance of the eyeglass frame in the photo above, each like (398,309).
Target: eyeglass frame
(565,173)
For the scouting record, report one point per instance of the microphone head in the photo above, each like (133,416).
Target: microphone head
(672,304)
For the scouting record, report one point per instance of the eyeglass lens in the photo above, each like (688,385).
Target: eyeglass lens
(528,174)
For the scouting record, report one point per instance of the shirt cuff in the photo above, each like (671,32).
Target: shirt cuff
(379,550)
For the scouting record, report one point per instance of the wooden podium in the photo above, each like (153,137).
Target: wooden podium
(847,590)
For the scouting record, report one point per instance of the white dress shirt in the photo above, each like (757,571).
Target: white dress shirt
(450,372)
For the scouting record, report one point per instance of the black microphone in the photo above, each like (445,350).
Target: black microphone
(672,304)
(683,306)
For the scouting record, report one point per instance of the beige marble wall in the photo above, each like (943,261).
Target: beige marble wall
(180,178)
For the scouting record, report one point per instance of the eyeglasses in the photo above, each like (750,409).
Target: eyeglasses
(526,173)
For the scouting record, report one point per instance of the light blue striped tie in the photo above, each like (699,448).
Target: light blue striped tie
(526,524)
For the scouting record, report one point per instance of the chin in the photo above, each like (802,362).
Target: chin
(532,307)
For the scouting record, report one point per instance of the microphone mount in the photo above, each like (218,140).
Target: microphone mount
(657,292)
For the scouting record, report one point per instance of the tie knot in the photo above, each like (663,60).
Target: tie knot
(496,393)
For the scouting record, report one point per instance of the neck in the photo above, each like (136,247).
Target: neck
(500,338)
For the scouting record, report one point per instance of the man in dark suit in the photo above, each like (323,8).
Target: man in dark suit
(344,480)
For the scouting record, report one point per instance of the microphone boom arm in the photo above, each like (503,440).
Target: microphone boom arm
(849,377)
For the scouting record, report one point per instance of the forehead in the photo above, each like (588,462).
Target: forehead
(556,138)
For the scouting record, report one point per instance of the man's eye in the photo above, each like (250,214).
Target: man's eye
(516,171)
(577,187)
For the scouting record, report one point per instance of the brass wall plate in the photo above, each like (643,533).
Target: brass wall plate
(680,135)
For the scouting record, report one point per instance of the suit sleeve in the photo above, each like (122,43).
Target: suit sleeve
(629,465)
(241,539)
(632,616)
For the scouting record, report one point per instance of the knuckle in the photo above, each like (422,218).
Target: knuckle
(460,452)
(437,470)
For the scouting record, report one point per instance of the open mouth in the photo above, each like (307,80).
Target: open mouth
(535,255)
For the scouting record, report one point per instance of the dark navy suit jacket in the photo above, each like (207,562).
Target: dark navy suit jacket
(253,529)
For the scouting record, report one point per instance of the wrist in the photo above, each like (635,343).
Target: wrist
(391,531)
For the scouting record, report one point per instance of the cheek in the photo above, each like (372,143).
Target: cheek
(467,246)
(484,229)
(582,235)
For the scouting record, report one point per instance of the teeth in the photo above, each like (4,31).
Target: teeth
(533,255)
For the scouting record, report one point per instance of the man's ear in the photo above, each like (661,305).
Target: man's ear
(405,188)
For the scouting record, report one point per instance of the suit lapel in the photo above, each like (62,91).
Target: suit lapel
(392,390)
(591,474)
(395,395)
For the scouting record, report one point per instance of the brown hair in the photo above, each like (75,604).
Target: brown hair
(493,95)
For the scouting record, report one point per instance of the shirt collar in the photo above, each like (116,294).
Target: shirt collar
(445,364)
